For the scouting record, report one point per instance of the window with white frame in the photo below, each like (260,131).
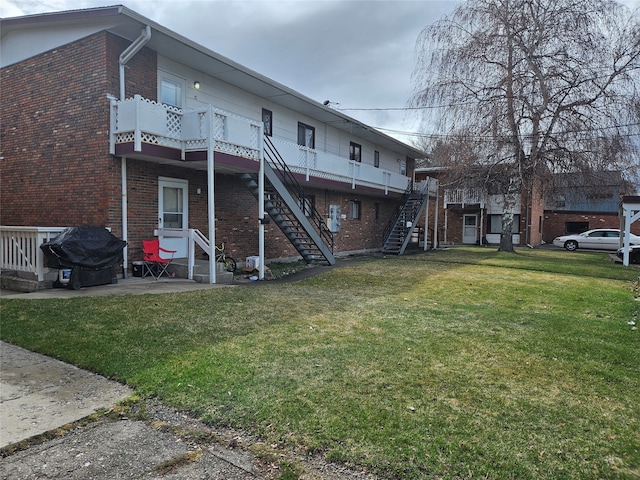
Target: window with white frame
(171,89)
(376,159)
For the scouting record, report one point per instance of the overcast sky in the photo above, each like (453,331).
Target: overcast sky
(359,54)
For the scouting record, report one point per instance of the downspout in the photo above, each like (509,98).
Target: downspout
(128,54)
(122,60)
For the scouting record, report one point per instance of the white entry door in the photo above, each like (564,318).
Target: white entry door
(173,212)
(470,229)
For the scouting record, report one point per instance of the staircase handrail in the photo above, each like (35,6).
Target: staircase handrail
(396,217)
(201,240)
(289,180)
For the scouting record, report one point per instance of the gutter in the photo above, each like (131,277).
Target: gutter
(124,58)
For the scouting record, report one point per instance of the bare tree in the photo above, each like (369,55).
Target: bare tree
(535,86)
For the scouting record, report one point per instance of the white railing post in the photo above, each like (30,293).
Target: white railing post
(137,133)
(192,256)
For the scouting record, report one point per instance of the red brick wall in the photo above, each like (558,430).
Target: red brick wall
(237,213)
(536,216)
(56,169)
(237,218)
(554,222)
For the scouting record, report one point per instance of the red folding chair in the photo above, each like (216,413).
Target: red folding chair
(154,264)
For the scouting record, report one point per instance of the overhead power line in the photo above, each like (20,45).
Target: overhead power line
(437,136)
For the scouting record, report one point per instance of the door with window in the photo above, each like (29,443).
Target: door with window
(173,212)
(470,229)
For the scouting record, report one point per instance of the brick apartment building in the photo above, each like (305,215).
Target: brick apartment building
(571,204)
(110,119)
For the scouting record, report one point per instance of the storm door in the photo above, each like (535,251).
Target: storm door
(173,201)
(470,229)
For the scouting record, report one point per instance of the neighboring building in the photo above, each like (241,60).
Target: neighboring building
(564,204)
(576,203)
(111,119)
(471,214)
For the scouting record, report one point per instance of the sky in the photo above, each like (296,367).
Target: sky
(358,54)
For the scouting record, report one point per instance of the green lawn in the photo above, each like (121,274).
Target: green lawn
(463,363)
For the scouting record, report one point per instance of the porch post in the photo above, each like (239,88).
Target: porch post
(446,226)
(435,222)
(211,210)
(125,218)
(261,212)
(426,217)
(631,214)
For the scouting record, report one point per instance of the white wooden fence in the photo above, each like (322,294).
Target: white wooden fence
(20,248)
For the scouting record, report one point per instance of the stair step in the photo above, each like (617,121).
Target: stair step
(276,196)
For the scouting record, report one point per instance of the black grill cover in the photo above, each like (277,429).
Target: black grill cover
(84,247)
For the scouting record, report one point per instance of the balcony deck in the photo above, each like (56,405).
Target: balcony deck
(142,128)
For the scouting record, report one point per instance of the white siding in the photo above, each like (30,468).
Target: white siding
(285,121)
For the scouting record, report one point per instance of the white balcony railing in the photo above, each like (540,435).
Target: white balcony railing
(464,196)
(310,162)
(20,248)
(140,120)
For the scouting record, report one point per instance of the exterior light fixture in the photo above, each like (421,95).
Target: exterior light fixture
(196,85)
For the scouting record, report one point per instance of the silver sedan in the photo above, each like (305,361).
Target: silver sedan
(598,239)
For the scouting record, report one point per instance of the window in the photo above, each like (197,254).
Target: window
(376,211)
(307,204)
(576,227)
(494,224)
(171,89)
(306,135)
(376,159)
(354,209)
(172,202)
(403,167)
(355,152)
(267,121)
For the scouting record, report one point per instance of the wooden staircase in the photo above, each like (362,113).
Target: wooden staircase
(282,199)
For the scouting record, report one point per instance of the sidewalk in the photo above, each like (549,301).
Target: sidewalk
(41,395)
(125,286)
